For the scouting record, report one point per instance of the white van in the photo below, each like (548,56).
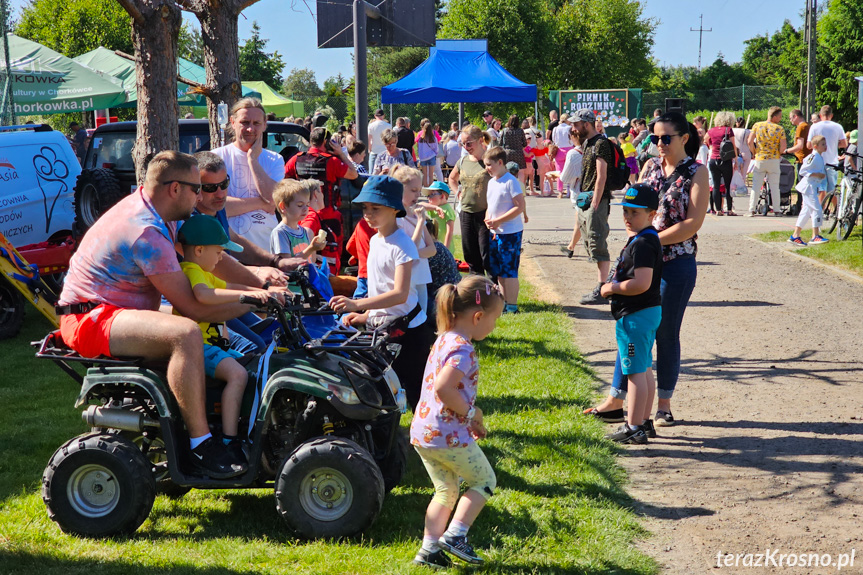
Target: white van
(38,171)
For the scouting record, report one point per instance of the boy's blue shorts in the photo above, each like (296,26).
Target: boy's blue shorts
(504,254)
(213,356)
(636,334)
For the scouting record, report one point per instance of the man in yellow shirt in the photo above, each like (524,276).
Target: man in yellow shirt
(767,143)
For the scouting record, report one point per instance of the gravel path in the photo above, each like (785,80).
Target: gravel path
(768,451)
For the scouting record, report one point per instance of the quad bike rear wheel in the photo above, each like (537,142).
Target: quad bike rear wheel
(98,485)
(329,487)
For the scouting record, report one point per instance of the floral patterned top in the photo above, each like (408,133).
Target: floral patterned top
(435,425)
(673,204)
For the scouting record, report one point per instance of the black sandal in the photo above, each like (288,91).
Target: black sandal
(610,416)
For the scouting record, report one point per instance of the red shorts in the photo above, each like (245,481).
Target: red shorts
(89,333)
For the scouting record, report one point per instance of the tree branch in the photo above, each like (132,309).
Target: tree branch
(134,11)
(245,4)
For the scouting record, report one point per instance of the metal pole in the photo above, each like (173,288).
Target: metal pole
(460,115)
(812,9)
(391,114)
(859,104)
(361,95)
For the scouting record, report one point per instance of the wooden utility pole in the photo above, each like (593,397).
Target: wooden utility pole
(701,30)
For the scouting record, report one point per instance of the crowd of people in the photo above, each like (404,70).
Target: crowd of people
(203,231)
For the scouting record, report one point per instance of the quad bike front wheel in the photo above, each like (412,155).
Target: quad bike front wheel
(98,485)
(329,487)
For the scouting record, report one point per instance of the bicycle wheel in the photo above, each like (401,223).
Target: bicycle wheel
(827,204)
(830,220)
(846,199)
(849,219)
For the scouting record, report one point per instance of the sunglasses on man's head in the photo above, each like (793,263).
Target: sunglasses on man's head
(665,138)
(211,188)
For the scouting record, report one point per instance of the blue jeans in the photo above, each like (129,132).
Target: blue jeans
(241,327)
(678,281)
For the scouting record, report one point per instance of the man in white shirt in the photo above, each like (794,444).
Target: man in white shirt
(834,134)
(253,172)
(376,128)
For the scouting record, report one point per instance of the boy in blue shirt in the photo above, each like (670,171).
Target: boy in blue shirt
(635,304)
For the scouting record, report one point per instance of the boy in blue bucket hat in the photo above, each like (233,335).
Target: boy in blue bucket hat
(392,300)
(635,304)
(204,240)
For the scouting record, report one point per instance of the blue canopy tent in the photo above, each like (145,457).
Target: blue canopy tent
(458,71)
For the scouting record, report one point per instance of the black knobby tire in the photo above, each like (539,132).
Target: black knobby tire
(98,485)
(827,205)
(849,219)
(157,455)
(96,192)
(329,487)
(394,466)
(11,310)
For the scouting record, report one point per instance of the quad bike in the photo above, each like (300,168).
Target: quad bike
(322,420)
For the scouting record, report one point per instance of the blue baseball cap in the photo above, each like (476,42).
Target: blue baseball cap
(437,186)
(203,230)
(640,196)
(385,191)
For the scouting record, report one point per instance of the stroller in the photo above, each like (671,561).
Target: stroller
(787,179)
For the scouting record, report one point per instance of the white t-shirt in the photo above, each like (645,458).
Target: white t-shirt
(257,225)
(532,135)
(571,173)
(833,133)
(500,194)
(376,128)
(385,254)
(452,152)
(421,273)
(560,136)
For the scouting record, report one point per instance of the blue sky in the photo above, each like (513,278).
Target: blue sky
(292,31)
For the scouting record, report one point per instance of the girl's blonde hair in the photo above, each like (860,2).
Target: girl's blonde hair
(473,293)
(474,133)
(405,174)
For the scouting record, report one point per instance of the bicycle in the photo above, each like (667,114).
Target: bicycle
(849,209)
(831,220)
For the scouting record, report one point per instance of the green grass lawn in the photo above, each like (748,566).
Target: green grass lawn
(560,506)
(846,254)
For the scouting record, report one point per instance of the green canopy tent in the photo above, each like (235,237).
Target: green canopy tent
(274,102)
(46,82)
(109,62)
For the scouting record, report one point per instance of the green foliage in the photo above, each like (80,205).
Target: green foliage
(613,36)
(721,74)
(190,44)
(840,45)
(301,85)
(258,65)
(776,59)
(74,27)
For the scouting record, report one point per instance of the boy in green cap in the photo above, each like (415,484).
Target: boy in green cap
(204,240)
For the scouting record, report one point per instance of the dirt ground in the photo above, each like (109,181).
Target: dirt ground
(767,453)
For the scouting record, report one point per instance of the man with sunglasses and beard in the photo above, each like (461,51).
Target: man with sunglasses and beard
(593,220)
(215,183)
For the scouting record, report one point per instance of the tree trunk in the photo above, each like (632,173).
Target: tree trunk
(155,26)
(221,41)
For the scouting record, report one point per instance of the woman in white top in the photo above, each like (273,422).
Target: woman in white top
(741,135)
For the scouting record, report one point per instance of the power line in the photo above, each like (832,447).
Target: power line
(701,30)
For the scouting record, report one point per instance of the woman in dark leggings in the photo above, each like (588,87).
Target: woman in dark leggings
(721,170)
(683,196)
(470,172)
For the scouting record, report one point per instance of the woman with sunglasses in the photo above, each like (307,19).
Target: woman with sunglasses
(683,190)
(470,172)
